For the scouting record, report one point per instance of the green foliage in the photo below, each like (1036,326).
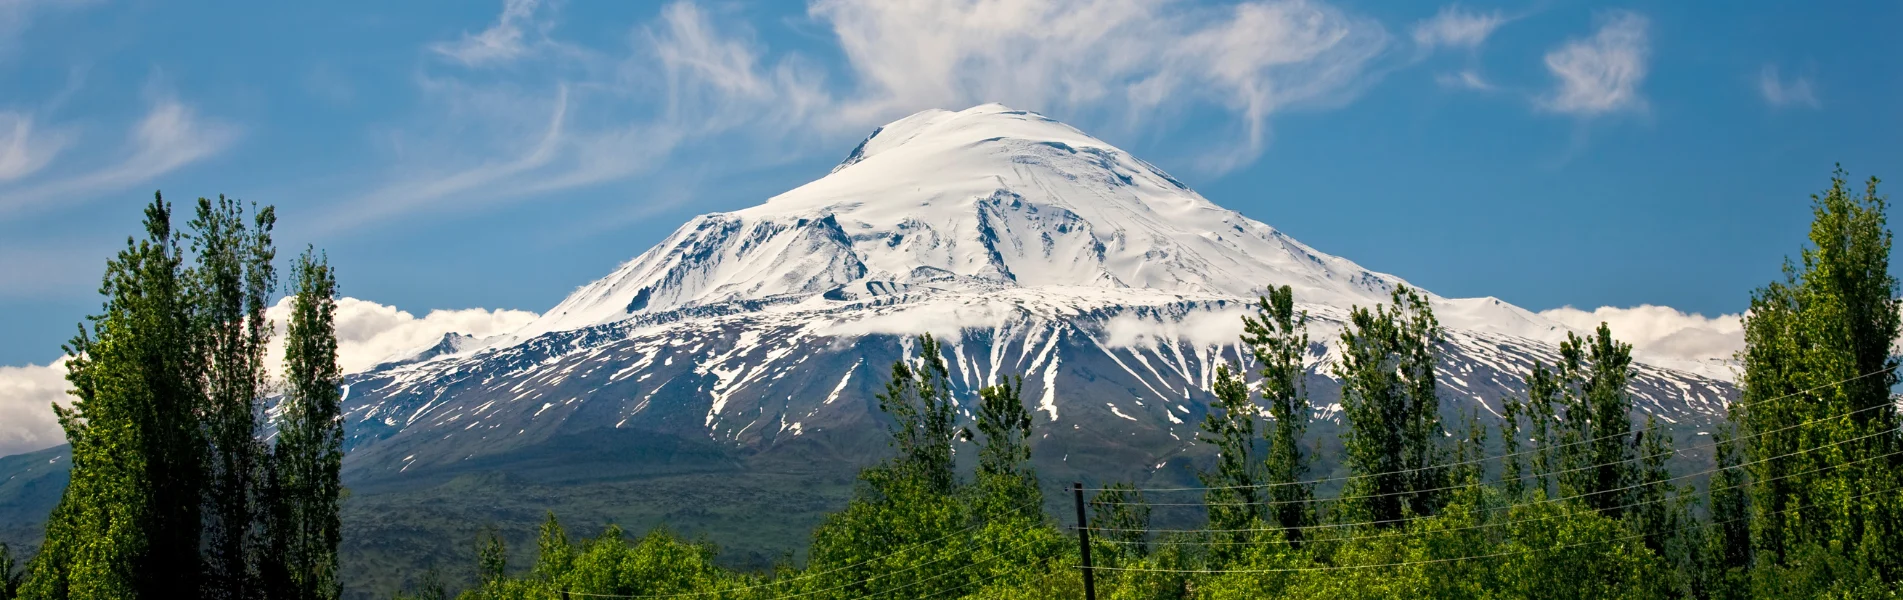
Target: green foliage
(430,587)
(1005,485)
(10,576)
(306,494)
(172,492)
(1278,337)
(1818,369)
(1597,446)
(231,288)
(919,402)
(1390,411)
(1230,425)
(1121,517)
(129,521)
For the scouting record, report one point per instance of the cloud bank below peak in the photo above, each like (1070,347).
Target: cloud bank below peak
(368,334)
(1661,331)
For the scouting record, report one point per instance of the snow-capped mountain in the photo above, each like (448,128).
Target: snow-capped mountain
(1036,250)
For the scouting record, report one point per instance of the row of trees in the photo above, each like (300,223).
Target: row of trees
(174,492)
(1563,496)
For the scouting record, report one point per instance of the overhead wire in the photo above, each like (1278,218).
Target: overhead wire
(1559,499)
(1455,559)
(1220,542)
(1485,459)
(1711,446)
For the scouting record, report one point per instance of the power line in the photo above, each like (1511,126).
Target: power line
(1453,559)
(1181,542)
(1495,457)
(1555,500)
(1712,445)
(994,556)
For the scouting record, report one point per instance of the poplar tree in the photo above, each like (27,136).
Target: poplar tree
(9,577)
(1815,398)
(1006,483)
(128,523)
(1122,518)
(1728,539)
(309,451)
(1278,337)
(1391,411)
(1598,447)
(919,401)
(1232,496)
(234,279)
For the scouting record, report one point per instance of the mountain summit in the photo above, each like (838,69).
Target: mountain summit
(981,198)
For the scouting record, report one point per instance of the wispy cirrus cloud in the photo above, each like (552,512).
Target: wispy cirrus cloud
(24,151)
(170,136)
(1782,93)
(1457,27)
(1466,78)
(501,42)
(1137,58)
(1600,74)
(605,115)
(608,117)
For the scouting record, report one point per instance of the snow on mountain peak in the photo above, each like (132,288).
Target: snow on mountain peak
(984,198)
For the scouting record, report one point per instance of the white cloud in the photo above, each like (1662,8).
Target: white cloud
(21,151)
(607,117)
(27,395)
(947,322)
(1455,27)
(501,42)
(567,116)
(1200,328)
(1600,74)
(368,334)
(1780,93)
(170,136)
(1139,58)
(1661,331)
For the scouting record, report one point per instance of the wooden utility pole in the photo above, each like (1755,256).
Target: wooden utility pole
(1083,542)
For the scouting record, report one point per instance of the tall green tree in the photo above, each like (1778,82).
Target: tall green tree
(1728,538)
(1006,483)
(1819,365)
(1391,411)
(1123,516)
(1233,498)
(9,575)
(1278,337)
(233,281)
(306,492)
(128,523)
(1598,446)
(924,419)
(910,499)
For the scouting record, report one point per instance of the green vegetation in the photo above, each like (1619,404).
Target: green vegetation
(1802,499)
(172,492)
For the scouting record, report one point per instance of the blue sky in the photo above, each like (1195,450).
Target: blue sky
(496,155)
